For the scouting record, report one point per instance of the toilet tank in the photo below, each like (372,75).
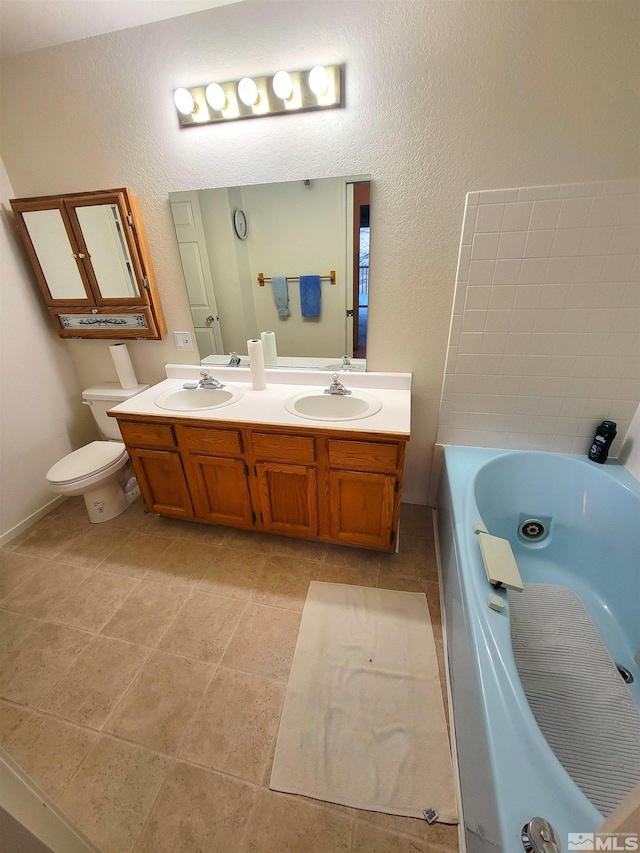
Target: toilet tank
(103,397)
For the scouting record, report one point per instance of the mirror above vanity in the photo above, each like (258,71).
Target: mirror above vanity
(244,251)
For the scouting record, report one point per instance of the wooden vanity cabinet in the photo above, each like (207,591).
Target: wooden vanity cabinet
(90,256)
(316,485)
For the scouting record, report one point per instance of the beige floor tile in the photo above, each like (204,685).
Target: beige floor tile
(370,838)
(182,563)
(15,569)
(346,556)
(47,537)
(11,716)
(416,520)
(251,540)
(146,613)
(45,589)
(304,549)
(161,701)
(14,627)
(96,681)
(132,518)
(356,575)
(113,792)
(416,559)
(177,528)
(198,811)
(72,509)
(203,627)
(264,642)
(133,555)
(279,822)
(388,580)
(285,582)
(91,547)
(233,572)
(93,601)
(50,751)
(236,724)
(36,664)
(442,836)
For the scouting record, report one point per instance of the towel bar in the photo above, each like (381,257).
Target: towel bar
(262,278)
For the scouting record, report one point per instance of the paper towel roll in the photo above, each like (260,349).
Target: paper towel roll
(269,349)
(256,364)
(124,368)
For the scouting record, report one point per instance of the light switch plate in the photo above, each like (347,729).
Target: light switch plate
(183,340)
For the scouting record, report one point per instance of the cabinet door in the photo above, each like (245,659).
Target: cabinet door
(162,481)
(362,508)
(288,498)
(220,490)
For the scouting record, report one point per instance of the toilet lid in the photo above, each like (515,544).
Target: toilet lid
(90,459)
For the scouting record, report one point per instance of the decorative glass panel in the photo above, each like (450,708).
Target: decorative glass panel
(104,235)
(103,321)
(55,253)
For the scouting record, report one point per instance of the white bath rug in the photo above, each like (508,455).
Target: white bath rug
(363,721)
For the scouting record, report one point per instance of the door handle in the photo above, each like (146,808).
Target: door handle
(209,319)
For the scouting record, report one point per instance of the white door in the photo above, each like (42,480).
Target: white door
(185,209)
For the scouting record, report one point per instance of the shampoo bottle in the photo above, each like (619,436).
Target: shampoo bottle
(605,434)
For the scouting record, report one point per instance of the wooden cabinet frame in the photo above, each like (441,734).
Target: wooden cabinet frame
(278,479)
(146,304)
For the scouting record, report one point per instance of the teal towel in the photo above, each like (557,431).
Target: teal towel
(281,294)
(310,295)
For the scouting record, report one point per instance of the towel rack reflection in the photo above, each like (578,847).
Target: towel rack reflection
(262,278)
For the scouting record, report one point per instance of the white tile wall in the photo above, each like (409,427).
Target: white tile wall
(545,333)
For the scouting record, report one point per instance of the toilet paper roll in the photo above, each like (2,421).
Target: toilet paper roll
(256,364)
(269,348)
(124,368)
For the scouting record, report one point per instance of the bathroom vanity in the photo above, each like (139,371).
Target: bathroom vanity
(254,464)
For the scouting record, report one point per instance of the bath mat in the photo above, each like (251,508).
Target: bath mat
(583,707)
(363,720)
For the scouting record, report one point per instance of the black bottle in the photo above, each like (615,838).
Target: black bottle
(605,434)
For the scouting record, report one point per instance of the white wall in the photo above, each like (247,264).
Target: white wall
(441,98)
(41,415)
(630,451)
(545,334)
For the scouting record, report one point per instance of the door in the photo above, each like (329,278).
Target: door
(361,510)
(162,482)
(288,498)
(220,490)
(360,261)
(185,209)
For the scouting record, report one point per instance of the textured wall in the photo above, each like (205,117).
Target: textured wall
(441,98)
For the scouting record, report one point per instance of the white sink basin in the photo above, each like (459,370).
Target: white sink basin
(318,406)
(197,399)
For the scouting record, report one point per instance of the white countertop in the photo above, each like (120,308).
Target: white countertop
(267,407)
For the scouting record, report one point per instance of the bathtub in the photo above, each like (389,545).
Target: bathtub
(508,772)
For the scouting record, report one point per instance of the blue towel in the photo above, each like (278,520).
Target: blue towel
(281,294)
(310,295)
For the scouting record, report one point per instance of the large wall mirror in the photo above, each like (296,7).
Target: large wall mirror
(237,243)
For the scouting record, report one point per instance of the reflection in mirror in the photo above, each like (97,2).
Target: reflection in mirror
(103,234)
(293,229)
(49,237)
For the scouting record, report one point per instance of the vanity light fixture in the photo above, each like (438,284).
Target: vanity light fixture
(250,97)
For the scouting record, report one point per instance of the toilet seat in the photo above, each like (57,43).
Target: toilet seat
(92,459)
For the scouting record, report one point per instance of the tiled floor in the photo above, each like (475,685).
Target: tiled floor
(144,666)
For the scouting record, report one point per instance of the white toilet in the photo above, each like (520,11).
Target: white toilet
(101,470)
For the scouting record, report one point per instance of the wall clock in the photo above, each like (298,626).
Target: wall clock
(240,224)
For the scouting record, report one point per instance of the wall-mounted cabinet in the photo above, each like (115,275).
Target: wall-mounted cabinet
(91,259)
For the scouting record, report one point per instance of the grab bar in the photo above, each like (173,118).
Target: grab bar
(499,562)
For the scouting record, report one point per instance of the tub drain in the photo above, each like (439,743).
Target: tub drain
(625,674)
(532,529)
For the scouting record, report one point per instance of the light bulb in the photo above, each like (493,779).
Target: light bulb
(248,91)
(319,80)
(283,85)
(184,102)
(216,96)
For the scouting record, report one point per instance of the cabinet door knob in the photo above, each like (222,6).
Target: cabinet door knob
(80,255)
(94,310)
(73,255)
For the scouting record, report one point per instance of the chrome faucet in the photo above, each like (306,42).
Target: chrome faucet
(346,362)
(208,381)
(234,360)
(336,386)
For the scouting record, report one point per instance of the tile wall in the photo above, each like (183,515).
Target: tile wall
(545,334)
(630,453)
